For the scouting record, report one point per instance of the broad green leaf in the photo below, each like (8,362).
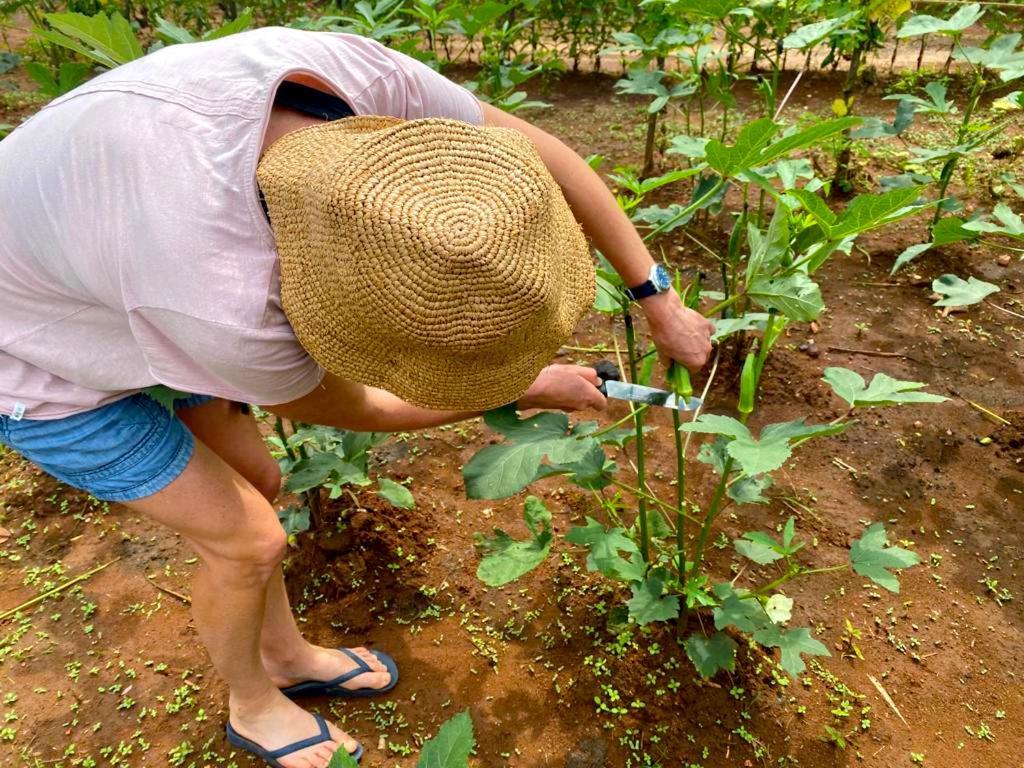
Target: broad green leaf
(507,559)
(883,390)
(498,471)
(749,490)
(592,471)
(542,426)
(342,759)
(1010,224)
(793,643)
(779,608)
(112,36)
(604,547)
(756,457)
(812,35)
(795,295)
(871,557)
(294,519)
(875,126)
(711,654)
(396,494)
(452,745)
(951,230)
(768,251)
(798,429)
(694,147)
(744,154)
(165,396)
(713,424)
(809,137)
(730,325)
(909,255)
(957,292)
(503,470)
(739,609)
(171,33)
(608,298)
(649,604)
(965,18)
(62,40)
(759,547)
(871,211)
(816,207)
(1000,56)
(238,24)
(321,467)
(935,104)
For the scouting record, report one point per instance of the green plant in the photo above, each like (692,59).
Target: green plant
(450,748)
(315,457)
(768,282)
(1000,56)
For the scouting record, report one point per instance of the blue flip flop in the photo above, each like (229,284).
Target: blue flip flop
(237,740)
(334,687)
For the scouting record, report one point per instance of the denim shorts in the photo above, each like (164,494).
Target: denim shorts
(123,451)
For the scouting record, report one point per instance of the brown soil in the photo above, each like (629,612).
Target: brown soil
(128,683)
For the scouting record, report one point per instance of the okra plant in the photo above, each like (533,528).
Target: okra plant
(656,548)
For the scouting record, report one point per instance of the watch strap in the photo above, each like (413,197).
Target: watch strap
(642,291)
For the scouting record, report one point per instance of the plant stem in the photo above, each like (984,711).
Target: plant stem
(638,422)
(680,517)
(279,428)
(723,305)
(695,205)
(792,574)
(620,422)
(946,176)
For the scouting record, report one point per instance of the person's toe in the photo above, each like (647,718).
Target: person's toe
(341,738)
(324,753)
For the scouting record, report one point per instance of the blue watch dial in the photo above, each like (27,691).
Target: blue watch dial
(662,279)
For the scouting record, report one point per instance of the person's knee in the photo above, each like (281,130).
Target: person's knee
(251,558)
(267,480)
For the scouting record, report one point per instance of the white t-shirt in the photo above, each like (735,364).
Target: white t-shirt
(133,248)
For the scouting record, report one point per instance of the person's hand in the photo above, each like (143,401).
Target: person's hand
(679,333)
(565,388)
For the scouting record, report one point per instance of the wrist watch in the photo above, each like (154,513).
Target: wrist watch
(658,281)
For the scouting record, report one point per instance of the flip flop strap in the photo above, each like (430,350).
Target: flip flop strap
(361,668)
(312,741)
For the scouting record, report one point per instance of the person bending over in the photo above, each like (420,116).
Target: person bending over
(309,222)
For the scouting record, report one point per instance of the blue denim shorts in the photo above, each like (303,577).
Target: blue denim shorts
(123,451)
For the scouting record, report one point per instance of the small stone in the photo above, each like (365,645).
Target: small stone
(815,327)
(589,753)
(918,424)
(1004,260)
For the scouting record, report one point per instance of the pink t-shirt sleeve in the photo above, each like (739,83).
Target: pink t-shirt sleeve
(413,90)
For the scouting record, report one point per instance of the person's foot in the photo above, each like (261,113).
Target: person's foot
(322,664)
(280,722)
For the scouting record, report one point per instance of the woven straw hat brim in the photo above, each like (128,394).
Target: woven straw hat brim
(431,258)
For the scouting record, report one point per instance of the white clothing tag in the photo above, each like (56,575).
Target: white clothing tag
(19,412)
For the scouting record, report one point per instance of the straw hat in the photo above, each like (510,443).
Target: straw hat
(431,258)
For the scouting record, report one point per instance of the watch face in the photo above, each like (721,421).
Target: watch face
(661,278)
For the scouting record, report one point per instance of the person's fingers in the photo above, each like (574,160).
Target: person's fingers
(588,373)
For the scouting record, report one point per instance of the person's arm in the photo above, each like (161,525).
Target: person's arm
(344,404)
(679,333)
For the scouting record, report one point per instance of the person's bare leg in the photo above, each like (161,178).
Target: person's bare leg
(236,533)
(288,658)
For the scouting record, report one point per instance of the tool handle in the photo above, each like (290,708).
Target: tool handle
(606,371)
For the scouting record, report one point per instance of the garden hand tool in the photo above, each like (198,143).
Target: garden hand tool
(613,386)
